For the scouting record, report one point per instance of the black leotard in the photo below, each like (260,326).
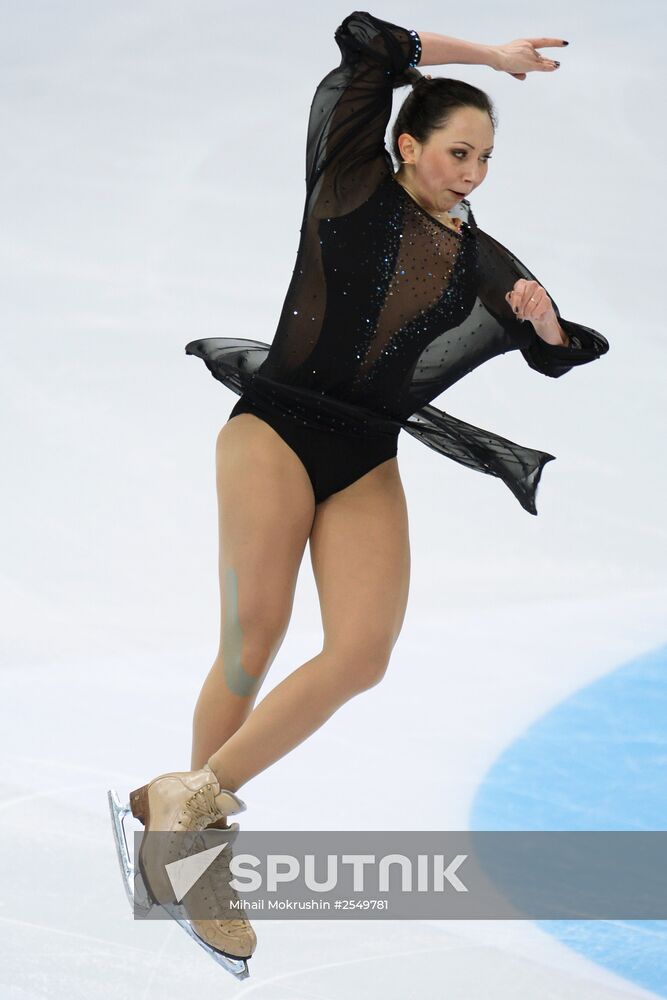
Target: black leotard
(387,307)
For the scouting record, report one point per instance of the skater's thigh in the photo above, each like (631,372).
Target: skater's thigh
(360,553)
(265,513)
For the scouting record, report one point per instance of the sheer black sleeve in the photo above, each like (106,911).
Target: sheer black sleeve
(499,271)
(346,156)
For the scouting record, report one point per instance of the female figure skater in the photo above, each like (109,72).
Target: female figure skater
(396,294)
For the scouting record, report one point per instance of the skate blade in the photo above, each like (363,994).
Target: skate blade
(141,902)
(237,966)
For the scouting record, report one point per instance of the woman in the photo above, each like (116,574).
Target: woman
(393,298)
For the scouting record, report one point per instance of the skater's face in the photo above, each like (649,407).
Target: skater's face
(452,162)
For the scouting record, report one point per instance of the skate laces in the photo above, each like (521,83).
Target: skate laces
(200,807)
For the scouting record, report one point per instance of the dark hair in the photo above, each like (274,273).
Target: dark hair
(431,103)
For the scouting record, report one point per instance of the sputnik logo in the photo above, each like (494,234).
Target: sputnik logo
(184,873)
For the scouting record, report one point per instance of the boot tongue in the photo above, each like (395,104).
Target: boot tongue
(212,777)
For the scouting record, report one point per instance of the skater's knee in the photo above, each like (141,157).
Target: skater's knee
(257,613)
(363,664)
(263,623)
(243,661)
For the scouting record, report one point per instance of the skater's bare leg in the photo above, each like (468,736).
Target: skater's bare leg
(361,560)
(265,514)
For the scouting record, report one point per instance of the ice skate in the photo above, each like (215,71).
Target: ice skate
(180,802)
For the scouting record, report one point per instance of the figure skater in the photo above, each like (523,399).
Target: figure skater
(396,294)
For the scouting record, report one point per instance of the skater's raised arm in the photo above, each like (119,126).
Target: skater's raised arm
(438,50)
(516,58)
(346,157)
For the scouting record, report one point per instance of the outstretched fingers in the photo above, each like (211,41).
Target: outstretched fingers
(545,64)
(541,43)
(521,56)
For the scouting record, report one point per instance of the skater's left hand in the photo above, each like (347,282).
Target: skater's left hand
(521,56)
(530,301)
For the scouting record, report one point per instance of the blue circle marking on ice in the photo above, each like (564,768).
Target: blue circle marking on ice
(596,761)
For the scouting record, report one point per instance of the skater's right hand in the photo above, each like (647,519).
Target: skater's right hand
(521,56)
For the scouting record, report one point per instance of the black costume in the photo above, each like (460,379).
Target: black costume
(387,307)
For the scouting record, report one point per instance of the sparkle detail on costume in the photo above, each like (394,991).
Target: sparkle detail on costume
(387,306)
(417,54)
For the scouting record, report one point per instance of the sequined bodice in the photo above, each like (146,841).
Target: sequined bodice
(371,291)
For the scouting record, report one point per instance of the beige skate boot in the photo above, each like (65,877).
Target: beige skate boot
(179,802)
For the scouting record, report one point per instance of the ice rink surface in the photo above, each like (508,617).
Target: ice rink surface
(153,180)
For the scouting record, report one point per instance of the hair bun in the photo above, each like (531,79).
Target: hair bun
(420,81)
(413,77)
(410,76)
